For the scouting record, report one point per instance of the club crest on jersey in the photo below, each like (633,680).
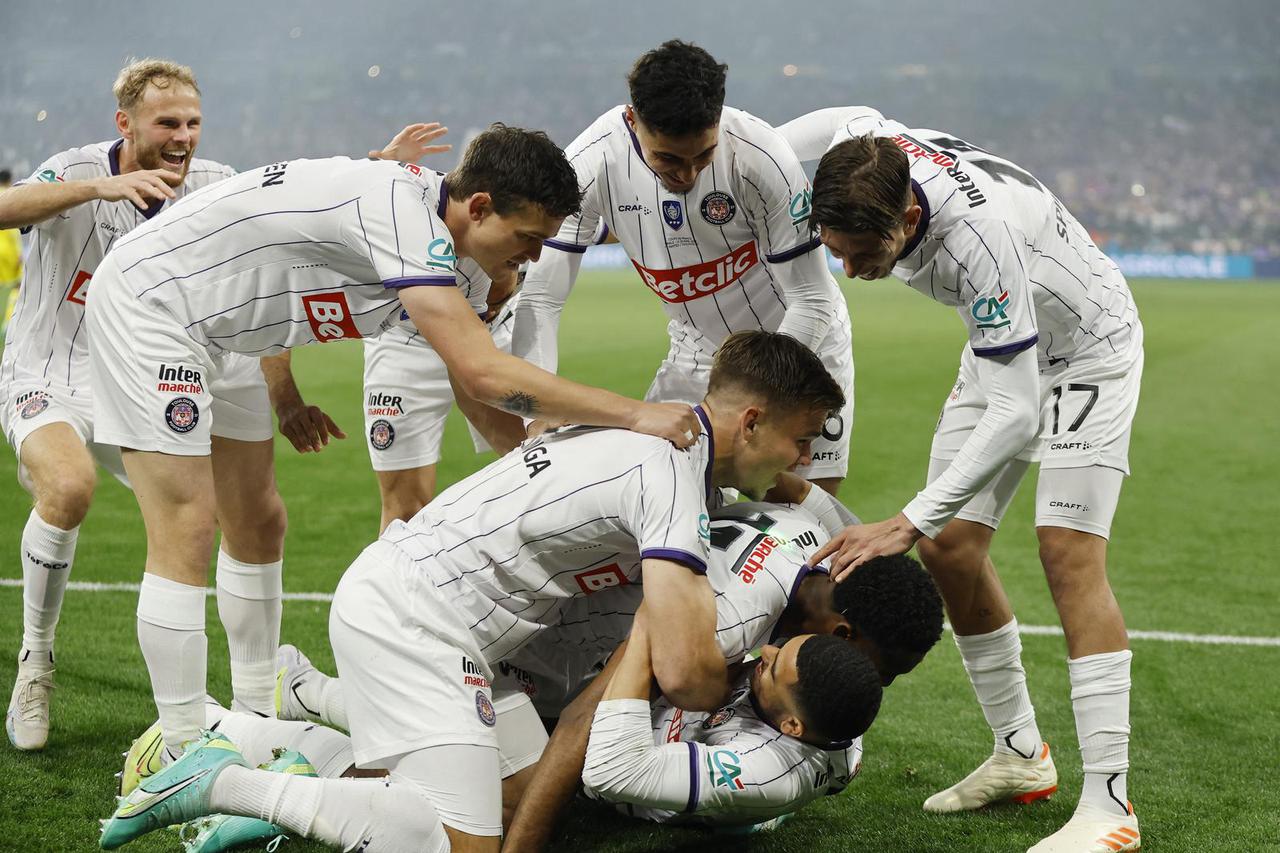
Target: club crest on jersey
(719,718)
(34,405)
(182,414)
(724,768)
(484,709)
(673,214)
(381,434)
(989,311)
(718,207)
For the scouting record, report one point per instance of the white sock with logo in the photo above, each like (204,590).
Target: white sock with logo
(994,664)
(322,695)
(175,648)
(350,814)
(47,554)
(1100,687)
(249,604)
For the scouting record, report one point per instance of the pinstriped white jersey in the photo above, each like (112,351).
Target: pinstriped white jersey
(568,514)
(728,255)
(999,246)
(728,766)
(45,341)
(759,554)
(293,253)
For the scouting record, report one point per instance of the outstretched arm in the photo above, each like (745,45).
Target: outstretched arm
(28,204)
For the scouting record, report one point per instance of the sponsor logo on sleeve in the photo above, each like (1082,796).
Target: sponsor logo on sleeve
(484,709)
(725,768)
(182,414)
(441,256)
(330,316)
(381,434)
(989,311)
(718,207)
(48,176)
(684,284)
(594,580)
(704,526)
(801,202)
(673,214)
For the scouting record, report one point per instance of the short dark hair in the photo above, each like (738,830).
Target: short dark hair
(517,167)
(677,89)
(862,185)
(894,601)
(778,367)
(837,688)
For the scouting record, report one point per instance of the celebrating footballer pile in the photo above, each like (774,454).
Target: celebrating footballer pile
(659,604)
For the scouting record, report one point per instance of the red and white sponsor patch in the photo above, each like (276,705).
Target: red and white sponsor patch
(79,287)
(594,580)
(686,283)
(330,317)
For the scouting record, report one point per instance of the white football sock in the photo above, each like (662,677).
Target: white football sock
(249,604)
(329,751)
(47,554)
(174,645)
(373,815)
(994,664)
(1100,698)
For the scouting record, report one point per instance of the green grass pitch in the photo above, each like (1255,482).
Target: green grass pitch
(1194,550)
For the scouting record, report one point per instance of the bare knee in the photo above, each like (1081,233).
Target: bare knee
(1073,561)
(406,492)
(961,547)
(63,495)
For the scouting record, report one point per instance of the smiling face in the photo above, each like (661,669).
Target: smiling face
(770,442)
(163,127)
(500,243)
(676,160)
(773,682)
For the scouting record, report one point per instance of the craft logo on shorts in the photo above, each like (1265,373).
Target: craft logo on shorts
(182,414)
(594,580)
(683,284)
(330,316)
(673,214)
(755,560)
(484,709)
(718,208)
(179,379)
(989,311)
(32,404)
(725,767)
(473,675)
(381,434)
(719,718)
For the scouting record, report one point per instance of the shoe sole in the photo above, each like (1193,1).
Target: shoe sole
(1032,796)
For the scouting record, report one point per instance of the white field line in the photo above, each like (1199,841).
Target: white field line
(1037,630)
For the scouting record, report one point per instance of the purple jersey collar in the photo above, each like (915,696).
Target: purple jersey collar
(921,227)
(113,161)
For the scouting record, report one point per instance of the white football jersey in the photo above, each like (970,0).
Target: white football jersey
(293,253)
(45,341)
(729,766)
(997,245)
(731,254)
(568,514)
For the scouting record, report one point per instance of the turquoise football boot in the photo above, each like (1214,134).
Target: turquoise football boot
(216,833)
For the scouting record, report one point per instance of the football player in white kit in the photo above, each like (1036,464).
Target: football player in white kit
(1051,373)
(425,613)
(712,208)
(285,255)
(78,203)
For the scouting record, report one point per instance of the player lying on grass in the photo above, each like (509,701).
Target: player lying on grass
(424,614)
(1051,373)
(889,610)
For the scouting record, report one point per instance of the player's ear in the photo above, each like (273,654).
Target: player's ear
(791,725)
(122,123)
(750,421)
(911,220)
(844,630)
(479,206)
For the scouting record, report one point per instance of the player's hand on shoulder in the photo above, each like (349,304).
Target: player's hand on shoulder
(141,187)
(413,143)
(308,428)
(676,422)
(858,543)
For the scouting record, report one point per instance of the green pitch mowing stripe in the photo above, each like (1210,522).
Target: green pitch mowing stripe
(1193,552)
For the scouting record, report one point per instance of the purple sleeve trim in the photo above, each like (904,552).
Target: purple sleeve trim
(793,253)
(692,805)
(675,555)
(565,247)
(604,233)
(414,281)
(1007,349)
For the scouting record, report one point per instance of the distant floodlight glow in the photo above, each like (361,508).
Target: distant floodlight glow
(1138,190)
(41,116)
(375,70)
(295,33)
(790,70)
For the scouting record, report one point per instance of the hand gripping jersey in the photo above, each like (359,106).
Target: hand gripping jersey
(998,246)
(733,253)
(571,513)
(46,339)
(293,253)
(730,766)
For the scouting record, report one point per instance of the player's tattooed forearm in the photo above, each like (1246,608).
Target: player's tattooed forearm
(519,403)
